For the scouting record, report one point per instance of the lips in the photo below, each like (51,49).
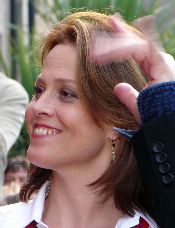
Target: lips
(42,130)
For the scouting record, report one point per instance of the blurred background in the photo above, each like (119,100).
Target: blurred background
(23,23)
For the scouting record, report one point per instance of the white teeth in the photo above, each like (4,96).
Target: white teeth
(41,131)
(50,132)
(44,131)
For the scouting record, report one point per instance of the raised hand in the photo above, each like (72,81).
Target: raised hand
(126,42)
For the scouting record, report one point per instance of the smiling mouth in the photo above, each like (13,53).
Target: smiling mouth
(45,131)
(41,130)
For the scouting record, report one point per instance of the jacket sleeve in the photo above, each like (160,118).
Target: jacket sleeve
(13,101)
(154,146)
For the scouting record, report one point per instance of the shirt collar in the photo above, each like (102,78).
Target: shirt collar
(38,207)
(127,221)
(24,213)
(38,204)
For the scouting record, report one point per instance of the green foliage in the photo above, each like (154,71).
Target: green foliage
(24,59)
(3,64)
(27,69)
(129,9)
(20,147)
(166,25)
(25,62)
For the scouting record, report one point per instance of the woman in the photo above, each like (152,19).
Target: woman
(86,172)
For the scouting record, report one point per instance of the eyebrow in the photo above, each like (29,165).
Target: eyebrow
(41,80)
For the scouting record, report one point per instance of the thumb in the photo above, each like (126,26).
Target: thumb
(128,96)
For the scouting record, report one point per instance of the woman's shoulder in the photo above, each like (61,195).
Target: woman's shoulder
(11,207)
(13,211)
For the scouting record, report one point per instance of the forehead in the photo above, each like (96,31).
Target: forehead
(61,54)
(60,62)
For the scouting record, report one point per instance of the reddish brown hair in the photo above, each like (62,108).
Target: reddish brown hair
(95,84)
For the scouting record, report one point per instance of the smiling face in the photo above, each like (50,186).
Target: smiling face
(61,130)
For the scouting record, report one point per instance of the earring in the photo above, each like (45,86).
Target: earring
(113,151)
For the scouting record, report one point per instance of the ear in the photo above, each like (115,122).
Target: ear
(113,135)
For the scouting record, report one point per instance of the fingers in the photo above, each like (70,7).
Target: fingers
(162,68)
(116,22)
(120,47)
(159,66)
(124,43)
(118,25)
(147,26)
(128,96)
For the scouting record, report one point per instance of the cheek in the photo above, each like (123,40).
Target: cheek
(83,128)
(78,121)
(70,119)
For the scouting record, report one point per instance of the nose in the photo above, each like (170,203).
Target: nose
(44,106)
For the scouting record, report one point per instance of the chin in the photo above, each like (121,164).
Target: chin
(37,158)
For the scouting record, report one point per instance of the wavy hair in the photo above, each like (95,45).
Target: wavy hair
(95,82)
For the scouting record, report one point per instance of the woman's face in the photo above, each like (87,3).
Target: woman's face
(61,130)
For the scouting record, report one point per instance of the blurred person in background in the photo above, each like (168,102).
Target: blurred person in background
(13,101)
(16,170)
(15,174)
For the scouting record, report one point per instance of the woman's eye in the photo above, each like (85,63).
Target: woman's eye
(38,92)
(67,94)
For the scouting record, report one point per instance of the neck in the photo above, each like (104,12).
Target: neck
(78,206)
(72,203)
